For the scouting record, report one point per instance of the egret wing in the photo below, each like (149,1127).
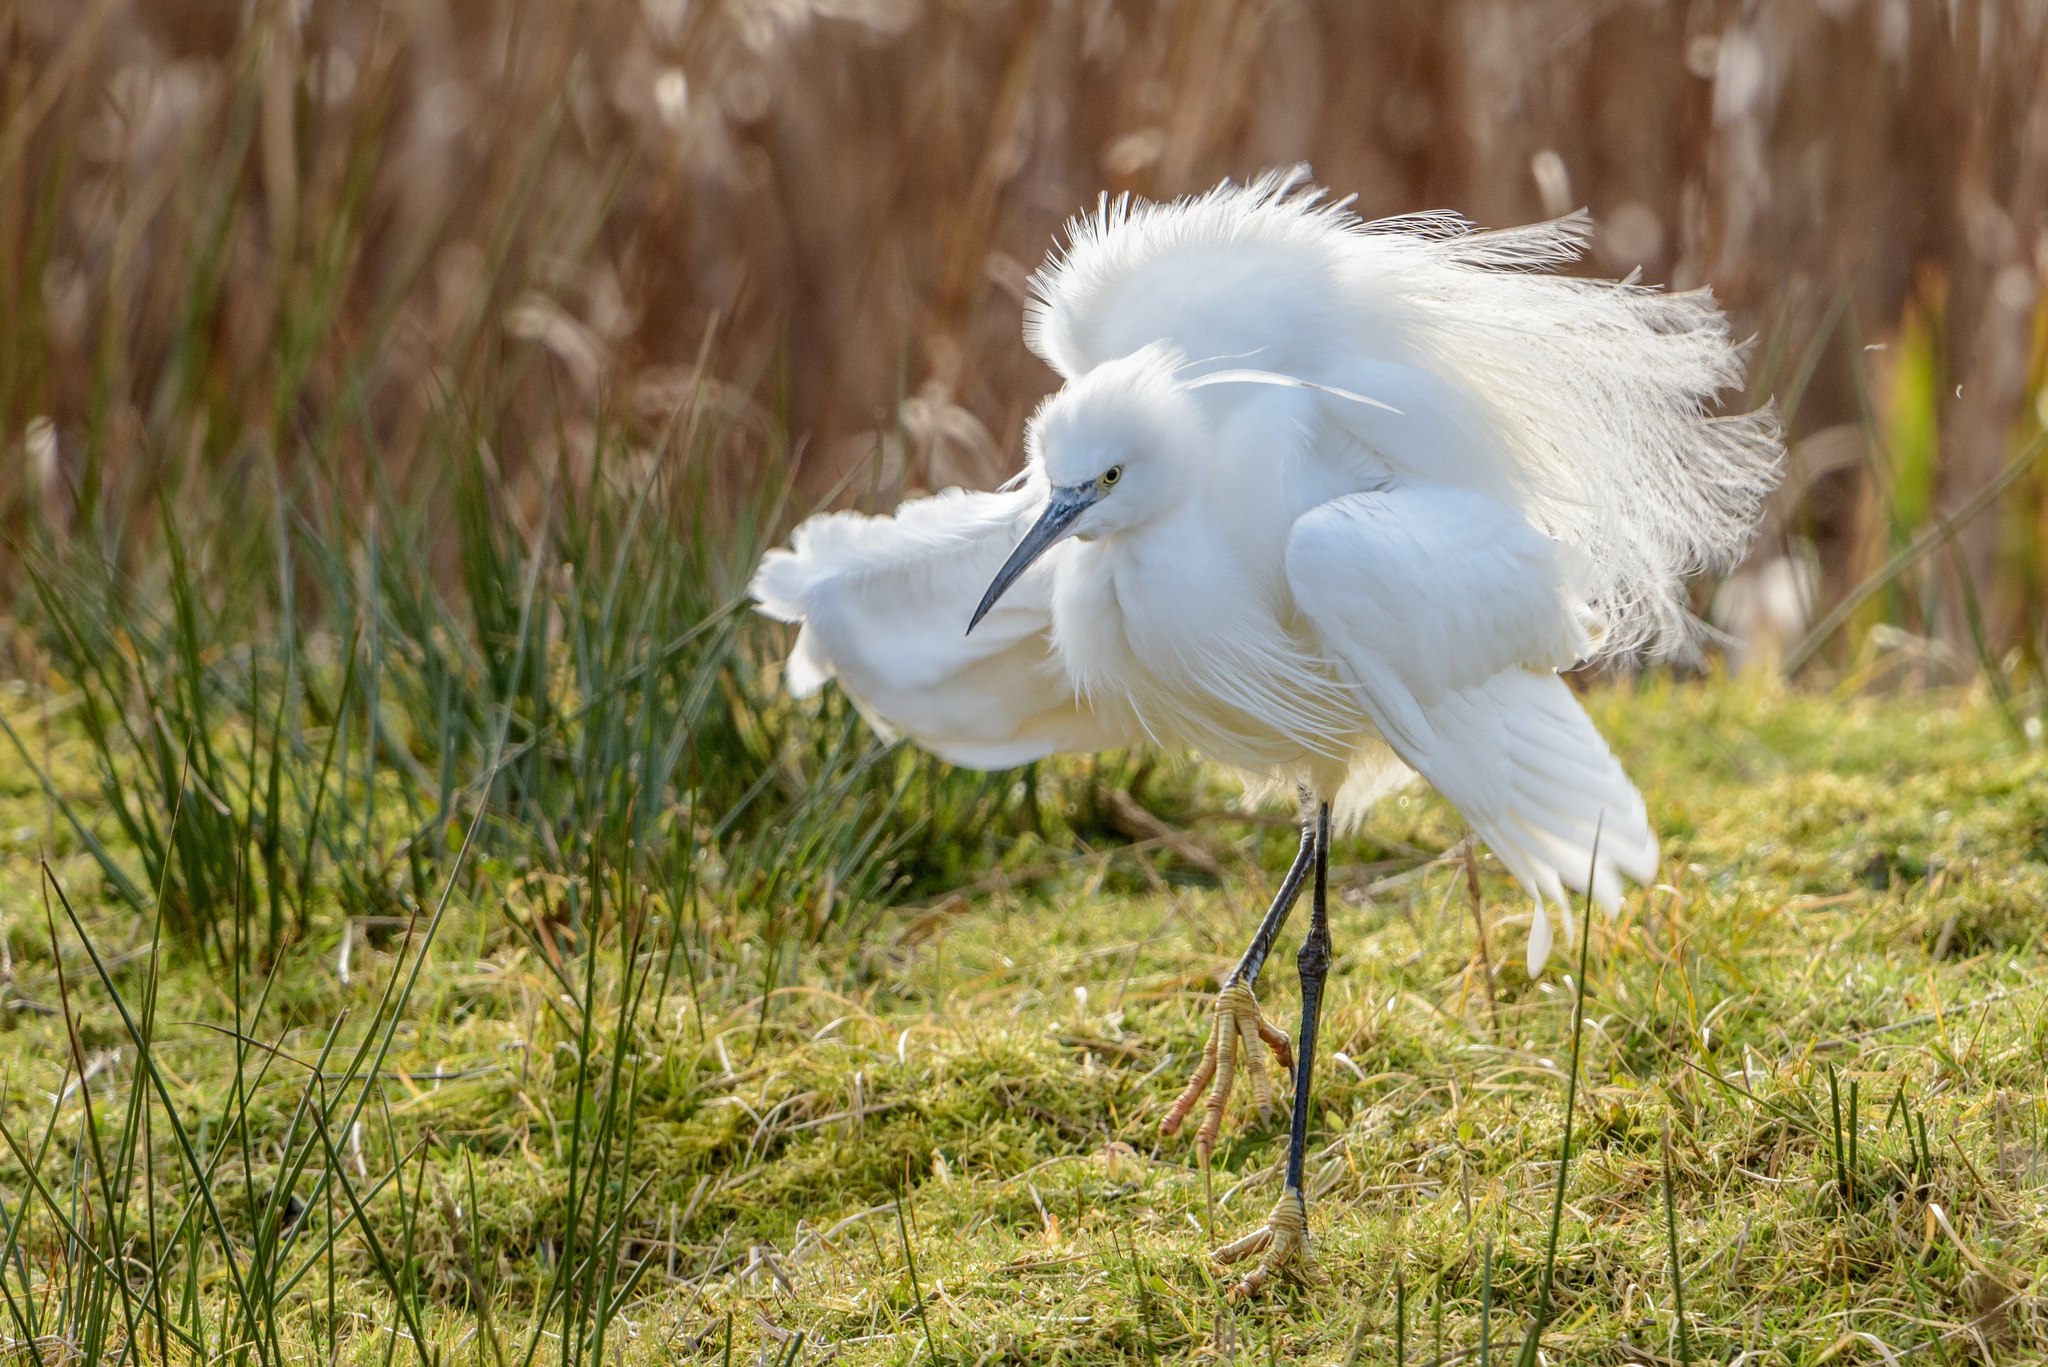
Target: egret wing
(883,605)
(1451,615)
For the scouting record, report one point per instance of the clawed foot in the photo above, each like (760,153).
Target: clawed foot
(1283,1242)
(1238,1020)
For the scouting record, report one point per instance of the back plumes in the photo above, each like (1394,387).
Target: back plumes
(1588,404)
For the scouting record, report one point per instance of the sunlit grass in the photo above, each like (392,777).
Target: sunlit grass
(571,1135)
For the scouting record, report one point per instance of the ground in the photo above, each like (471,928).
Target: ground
(1811,1069)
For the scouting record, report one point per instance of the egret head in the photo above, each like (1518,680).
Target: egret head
(1113,450)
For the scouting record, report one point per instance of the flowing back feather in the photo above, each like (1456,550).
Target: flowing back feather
(1586,404)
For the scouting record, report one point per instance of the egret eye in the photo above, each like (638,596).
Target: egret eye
(1112,475)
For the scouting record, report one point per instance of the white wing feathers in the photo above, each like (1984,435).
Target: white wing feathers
(1583,403)
(884,602)
(1452,615)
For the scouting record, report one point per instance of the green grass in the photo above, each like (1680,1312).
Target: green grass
(552,1112)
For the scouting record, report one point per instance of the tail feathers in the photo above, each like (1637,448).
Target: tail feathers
(1523,762)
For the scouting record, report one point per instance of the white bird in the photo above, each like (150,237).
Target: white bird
(1327,501)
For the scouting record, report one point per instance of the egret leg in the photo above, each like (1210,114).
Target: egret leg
(1283,1241)
(1239,1020)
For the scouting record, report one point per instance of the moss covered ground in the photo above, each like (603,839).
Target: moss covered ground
(1810,1101)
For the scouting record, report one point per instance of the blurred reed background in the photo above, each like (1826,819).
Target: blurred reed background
(279,260)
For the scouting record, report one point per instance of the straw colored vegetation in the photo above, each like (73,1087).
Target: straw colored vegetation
(304,246)
(936,1141)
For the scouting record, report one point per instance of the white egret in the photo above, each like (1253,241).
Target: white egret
(1328,501)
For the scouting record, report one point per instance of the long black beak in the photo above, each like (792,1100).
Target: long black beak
(1052,527)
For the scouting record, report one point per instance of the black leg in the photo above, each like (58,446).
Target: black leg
(1314,963)
(1247,970)
(1283,1239)
(1238,1018)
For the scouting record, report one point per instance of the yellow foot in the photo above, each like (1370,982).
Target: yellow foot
(1238,1020)
(1282,1241)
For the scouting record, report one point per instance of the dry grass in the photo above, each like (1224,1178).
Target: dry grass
(305,248)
